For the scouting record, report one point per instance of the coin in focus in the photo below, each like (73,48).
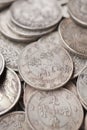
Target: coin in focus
(54,110)
(45,66)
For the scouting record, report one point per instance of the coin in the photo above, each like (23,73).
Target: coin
(10,90)
(2,63)
(14,121)
(71,87)
(42,13)
(78,11)
(27,93)
(28,33)
(54,110)
(45,66)
(82,85)
(11,51)
(74,37)
(7,32)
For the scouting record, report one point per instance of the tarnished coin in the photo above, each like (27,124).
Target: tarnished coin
(54,110)
(78,11)
(45,66)
(11,51)
(36,14)
(14,121)
(82,86)
(2,63)
(71,87)
(28,33)
(74,37)
(27,93)
(7,32)
(10,90)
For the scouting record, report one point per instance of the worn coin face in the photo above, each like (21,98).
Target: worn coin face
(14,121)
(54,110)
(2,63)
(78,11)
(45,66)
(27,93)
(11,51)
(10,89)
(82,85)
(42,13)
(74,37)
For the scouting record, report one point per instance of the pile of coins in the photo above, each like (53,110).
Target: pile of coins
(43,65)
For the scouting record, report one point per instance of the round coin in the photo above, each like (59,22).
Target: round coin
(82,85)
(42,13)
(74,37)
(78,11)
(45,66)
(14,121)
(10,90)
(54,110)
(2,63)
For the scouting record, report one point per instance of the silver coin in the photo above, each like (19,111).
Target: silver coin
(42,13)
(78,11)
(2,63)
(54,110)
(82,86)
(10,90)
(45,66)
(29,33)
(7,32)
(14,121)
(27,93)
(71,87)
(74,37)
(11,51)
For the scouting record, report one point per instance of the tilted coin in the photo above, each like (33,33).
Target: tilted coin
(29,33)
(45,66)
(71,87)
(7,32)
(10,90)
(2,63)
(27,93)
(82,86)
(74,37)
(11,51)
(42,13)
(78,11)
(54,110)
(14,121)
(79,64)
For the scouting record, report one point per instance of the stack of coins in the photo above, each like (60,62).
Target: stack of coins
(43,65)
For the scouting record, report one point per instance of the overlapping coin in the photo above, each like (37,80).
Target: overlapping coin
(45,66)
(54,110)
(10,90)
